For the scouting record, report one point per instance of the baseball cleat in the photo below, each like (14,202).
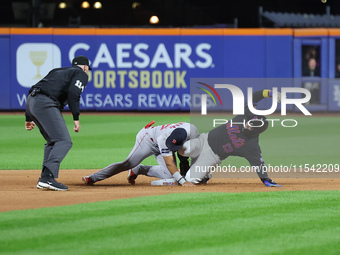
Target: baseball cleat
(164,182)
(132,177)
(87,180)
(270,183)
(51,183)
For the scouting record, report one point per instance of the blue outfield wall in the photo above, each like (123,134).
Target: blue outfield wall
(145,69)
(5,71)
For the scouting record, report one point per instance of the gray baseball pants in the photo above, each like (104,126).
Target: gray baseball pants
(202,157)
(159,171)
(142,149)
(45,113)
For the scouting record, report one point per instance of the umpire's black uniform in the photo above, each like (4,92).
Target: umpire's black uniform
(45,101)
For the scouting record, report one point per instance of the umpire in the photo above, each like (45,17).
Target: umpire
(45,101)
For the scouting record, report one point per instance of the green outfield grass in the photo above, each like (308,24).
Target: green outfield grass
(102,140)
(105,139)
(304,222)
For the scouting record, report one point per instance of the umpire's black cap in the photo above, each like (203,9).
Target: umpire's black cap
(176,139)
(81,60)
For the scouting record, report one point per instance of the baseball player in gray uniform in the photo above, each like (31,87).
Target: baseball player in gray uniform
(161,141)
(210,149)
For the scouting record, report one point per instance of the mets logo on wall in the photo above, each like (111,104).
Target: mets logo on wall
(34,61)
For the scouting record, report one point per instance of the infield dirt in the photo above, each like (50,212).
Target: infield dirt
(18,188)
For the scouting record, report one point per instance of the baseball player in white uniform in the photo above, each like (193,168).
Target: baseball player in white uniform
(161,141)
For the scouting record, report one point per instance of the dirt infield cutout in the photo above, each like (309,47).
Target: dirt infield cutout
(18,188)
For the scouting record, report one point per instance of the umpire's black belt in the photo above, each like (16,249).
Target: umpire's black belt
(37,91)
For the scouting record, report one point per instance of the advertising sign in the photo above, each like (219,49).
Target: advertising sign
(129,72)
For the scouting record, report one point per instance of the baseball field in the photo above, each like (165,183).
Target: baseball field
(229,215)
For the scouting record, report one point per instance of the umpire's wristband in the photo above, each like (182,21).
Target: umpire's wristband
(179,178)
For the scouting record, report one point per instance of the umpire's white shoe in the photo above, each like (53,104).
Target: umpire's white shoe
(51,183)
